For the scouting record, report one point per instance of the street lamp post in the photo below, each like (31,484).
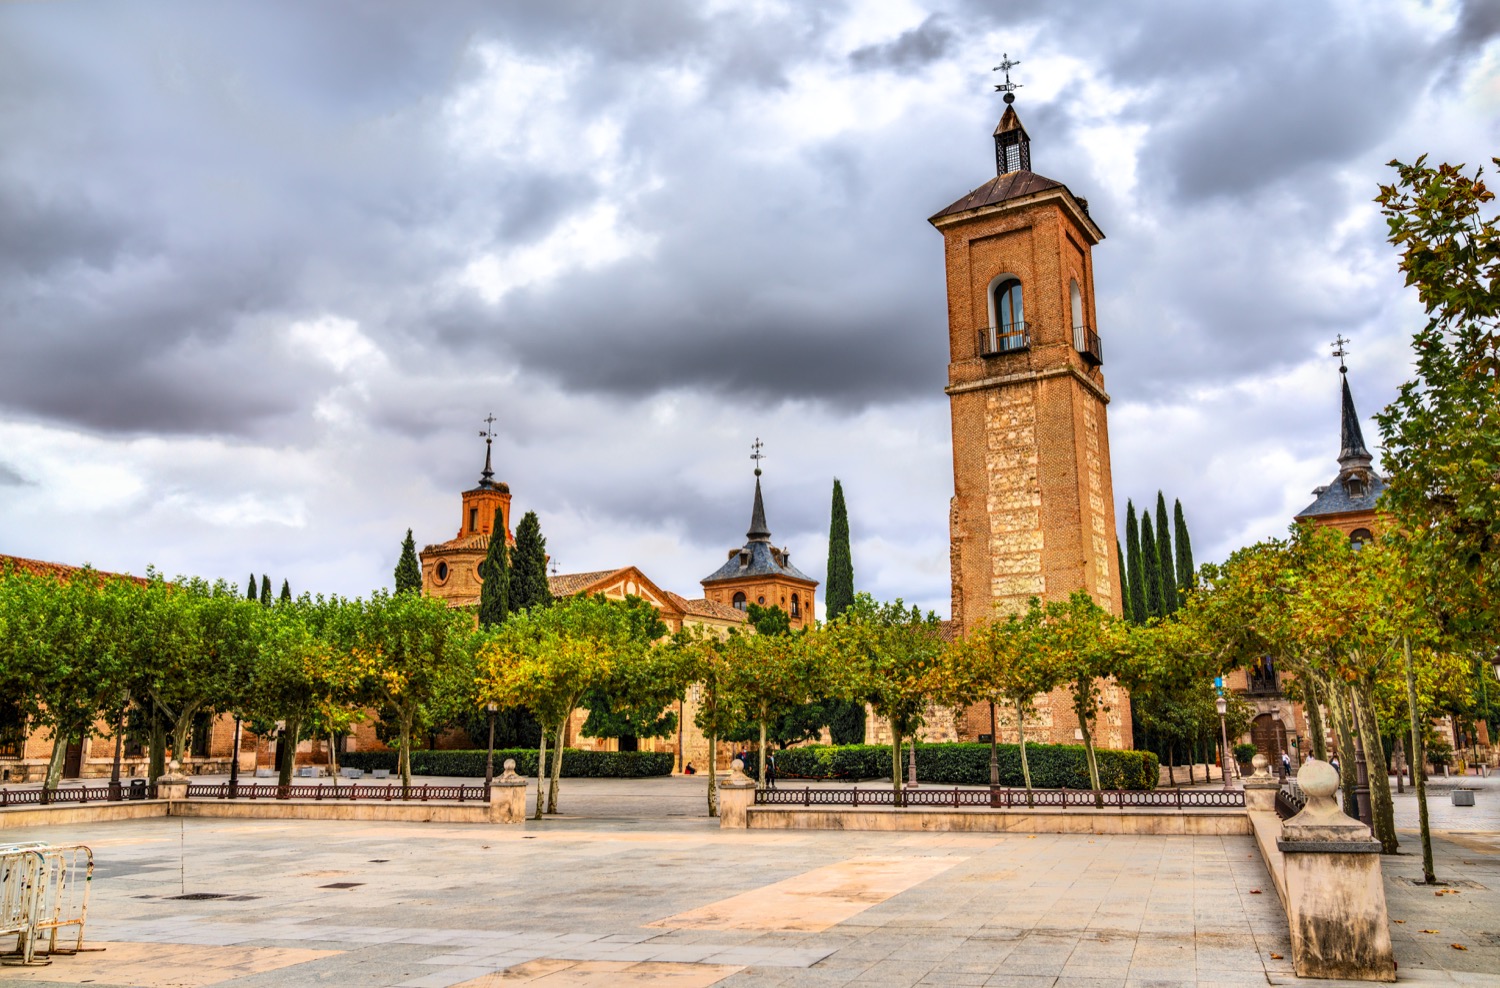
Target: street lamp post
(489,758)
(1278,732)
(1222,706)
(114,770)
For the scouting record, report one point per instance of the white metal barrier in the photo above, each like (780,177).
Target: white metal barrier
(43,889)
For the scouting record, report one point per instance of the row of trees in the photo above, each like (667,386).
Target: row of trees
(1156,567)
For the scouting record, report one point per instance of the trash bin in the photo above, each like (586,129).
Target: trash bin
(1463,797)
(137,788)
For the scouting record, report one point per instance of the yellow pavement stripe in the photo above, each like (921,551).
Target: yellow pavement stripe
(814,900)
(164,965)
(550,973)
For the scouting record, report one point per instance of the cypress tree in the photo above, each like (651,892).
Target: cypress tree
(286,591)
(1150,568)
(846,718)
(1187,575)
(1164,554)
(1137,570)
(1125,604)
(265,590)
(494,593)
(408,571)
(250,592)
(838,594)
(528,571)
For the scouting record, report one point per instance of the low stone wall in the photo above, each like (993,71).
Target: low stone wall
(74,814)
(1202,823)
(327,809)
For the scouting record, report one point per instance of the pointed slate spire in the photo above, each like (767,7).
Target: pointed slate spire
(1352,451)
(759,532)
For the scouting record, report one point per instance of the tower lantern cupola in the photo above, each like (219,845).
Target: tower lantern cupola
(1012,144)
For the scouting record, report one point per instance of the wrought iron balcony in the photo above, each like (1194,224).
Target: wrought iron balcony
(1086,342)
(1262,682)
(994,341)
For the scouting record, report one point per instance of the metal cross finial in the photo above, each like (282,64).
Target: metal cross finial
(554,567)
(488,432)
(1007,87)
(756,454)
(1341,350)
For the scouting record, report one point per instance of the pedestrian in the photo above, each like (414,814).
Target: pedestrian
(771,769)
(689,770)
(1334,761)
(1286,765)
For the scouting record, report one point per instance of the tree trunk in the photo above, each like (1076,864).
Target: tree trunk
(403,758)
(1419,760)
(713,775)
(1088,750)
(289,750)
(1382,814)
(760,772)
(1172,763)
(896,763)
(55,764)
(1315,720)
(1021,736)
(541,771)
(995,748)
(333,757)
(158,745)
(1338,709)
(557,760)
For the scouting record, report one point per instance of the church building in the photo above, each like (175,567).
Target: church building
(759,573)
(1032,513)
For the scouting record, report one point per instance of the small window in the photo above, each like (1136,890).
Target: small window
(796,606)
(739,601)
(1359,537)
(441,572)
(761,601)
(473,519)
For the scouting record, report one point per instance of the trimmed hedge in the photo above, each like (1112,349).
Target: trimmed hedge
(1053,766)
(576,764)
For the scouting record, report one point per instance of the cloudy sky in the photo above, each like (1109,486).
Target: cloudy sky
(265,267)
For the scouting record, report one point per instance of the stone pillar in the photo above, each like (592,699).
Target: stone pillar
(508,796)
(1335,894)
(736,796)
(1260,787)
(173,785)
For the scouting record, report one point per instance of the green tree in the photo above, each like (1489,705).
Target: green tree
(286,592)
(408,570)
(1138,606)
(998,662)
(794,722)
(494,593)
(1165,560)
(409,653)
(1127,605)
(1151,568)
(1186,571)
(838,594)
(631,700)
(299,675)
(707,666)
(528,571)
(251,593)
(1083,642)
(265,590)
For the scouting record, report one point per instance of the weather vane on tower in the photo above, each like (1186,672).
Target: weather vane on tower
(1341,350)
(488,435)
(1007,87)
(756,454)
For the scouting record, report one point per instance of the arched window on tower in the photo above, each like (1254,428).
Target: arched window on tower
(796,606)
(1008,329)
(739,602)
(1359,537)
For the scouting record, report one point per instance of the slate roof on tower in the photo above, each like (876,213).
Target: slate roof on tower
(1357,487)
(758,557)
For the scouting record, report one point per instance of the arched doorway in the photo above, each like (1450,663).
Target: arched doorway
(1268,734)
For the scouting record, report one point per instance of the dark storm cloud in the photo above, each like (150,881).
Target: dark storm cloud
(11,477)
(924,43)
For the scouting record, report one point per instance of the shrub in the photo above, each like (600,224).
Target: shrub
(1053,766)
(576,764)
(1243,752)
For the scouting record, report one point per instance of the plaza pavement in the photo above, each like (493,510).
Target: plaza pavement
(632,885)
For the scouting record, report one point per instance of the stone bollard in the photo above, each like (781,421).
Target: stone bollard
(508,796)
(1260,787)
(736,796)
(1335,895)
(173,785)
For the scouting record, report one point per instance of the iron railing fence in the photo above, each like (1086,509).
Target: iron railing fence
(1086,341)
(70,794)
(1290,799)
(1006,798)
(995,340)
(386,793)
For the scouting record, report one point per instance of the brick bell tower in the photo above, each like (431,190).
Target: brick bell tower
(1033,508)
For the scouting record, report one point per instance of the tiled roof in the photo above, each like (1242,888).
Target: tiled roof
(761,561)
(38,567)
(1013,185)
(568,584)
(1335,500)
(703,607)
(479,542)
